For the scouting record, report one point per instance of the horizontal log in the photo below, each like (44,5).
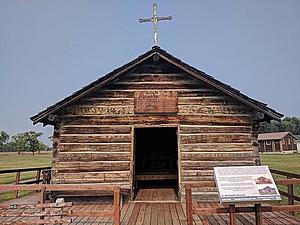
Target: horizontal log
(154,77)
(96,166)
(95,147)
(214,129)
(112,94)
(119,181)
(197,178)
(219,156)
(99,110)
(190,165)
(157,119)
(129,93)
(200,92)
(101,138)
(157,83)
(95,129)
(92,177)
(217,147)
(101,101)
(215,138)
(197,172)
(59,187)
(221,109)
(207,101)
(147,86)
(88,157)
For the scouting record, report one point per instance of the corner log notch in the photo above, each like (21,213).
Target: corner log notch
(94,135)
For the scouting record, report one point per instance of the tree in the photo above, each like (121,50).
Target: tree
(32,143)
(291,124)
(28,141)
(42,147)
(4,137)
(19,142)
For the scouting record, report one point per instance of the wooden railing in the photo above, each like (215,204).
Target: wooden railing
(44,171)
(231,209)
(290,188)
(43,188)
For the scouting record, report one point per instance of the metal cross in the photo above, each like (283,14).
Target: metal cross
(155,20)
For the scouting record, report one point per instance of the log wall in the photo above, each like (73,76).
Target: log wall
(94,140)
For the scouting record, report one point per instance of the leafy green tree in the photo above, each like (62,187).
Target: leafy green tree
(42,147)
(28,141)
(4,137)
(19,142)
(291,124)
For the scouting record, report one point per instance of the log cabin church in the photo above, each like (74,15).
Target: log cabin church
(155,121)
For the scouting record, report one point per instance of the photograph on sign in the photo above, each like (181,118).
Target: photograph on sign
(245,184)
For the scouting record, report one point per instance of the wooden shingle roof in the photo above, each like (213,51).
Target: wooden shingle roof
(273,136)
(259,106)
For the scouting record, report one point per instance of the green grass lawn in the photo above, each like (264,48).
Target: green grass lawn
(25,160)
(288,163)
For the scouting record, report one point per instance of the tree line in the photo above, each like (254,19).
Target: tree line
(291,124)
(22,142)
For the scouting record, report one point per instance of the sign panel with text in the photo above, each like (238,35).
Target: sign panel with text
(245,184)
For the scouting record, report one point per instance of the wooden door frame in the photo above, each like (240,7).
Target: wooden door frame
(132,157)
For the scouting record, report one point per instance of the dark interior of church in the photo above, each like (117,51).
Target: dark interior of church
(156,155)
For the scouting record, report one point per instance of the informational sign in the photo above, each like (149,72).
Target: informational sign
(245,184)
(155,102)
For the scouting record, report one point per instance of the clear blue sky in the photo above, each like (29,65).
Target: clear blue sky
(49,49)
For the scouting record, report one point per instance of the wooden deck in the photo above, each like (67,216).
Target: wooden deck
(159,208)
(156,195)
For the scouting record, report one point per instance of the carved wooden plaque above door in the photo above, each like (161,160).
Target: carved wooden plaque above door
(155,102)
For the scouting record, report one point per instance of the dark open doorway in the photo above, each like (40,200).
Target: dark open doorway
(156,155)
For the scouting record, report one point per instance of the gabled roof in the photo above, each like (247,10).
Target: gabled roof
(259,106)
(273,136)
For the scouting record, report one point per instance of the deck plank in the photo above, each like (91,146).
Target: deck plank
(174,214)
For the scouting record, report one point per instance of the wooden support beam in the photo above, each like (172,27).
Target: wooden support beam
(232,215)
(258,214)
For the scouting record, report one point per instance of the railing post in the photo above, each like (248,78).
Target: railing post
(18,175)
(38,175)
(188,203)
(42,200)
(232,215)
(117,210)
(290,188)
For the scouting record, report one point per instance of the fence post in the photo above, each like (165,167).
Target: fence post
(117,210)
(42,200)
(290,188)
(18,175)
(38,175)
(188,203)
